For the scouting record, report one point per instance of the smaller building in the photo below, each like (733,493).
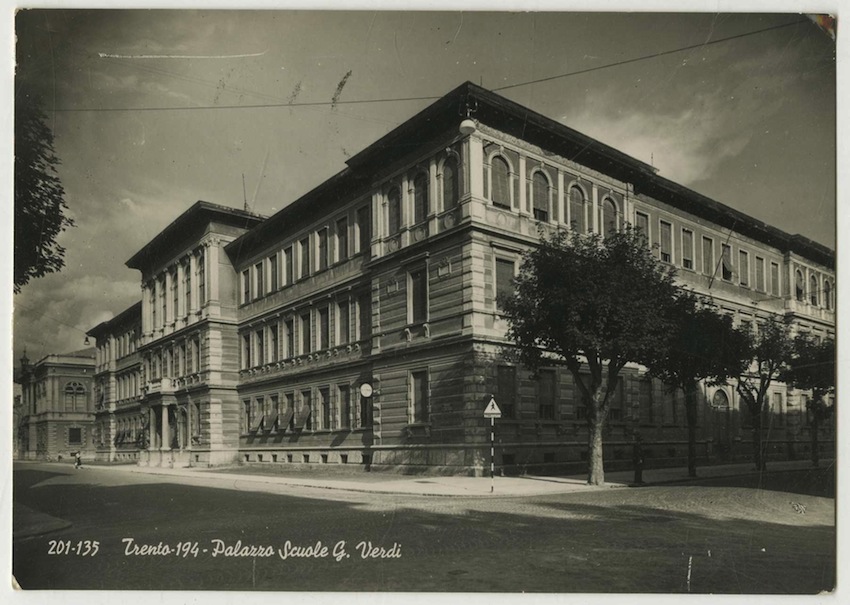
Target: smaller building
(57,414)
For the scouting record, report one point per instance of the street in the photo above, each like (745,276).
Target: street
(752,534)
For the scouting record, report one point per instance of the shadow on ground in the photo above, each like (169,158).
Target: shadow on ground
(737,539)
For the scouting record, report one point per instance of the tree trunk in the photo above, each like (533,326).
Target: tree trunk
(596,470)
(691,415)
(814,430)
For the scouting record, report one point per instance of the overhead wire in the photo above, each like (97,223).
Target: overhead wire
(422,98)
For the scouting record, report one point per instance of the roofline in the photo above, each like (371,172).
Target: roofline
(135,261)
(105,326)
(492,108)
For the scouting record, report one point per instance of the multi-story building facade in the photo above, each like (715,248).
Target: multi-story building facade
(57,416)
(360,324)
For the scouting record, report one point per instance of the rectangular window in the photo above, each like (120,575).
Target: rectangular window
(777,417)
(506,390)
(546,396)
(175,296)
(324,329)
(246,416)
(246,286)
(726,262)
(342,239)
(419,396)
(196,354)
(759,274)
(163,301)
(274,412)
(325,403)
(202,280)
(504,278)
(305,257)
(258,414)
(246,351)
(288,266)
(274,283)
(418,296)
(344,393)
(366,415)
(364,230)
(744,267)
(273,342)
(666,242)
(642,223)
(289,326)
(75,436)
(615,402)
(774,279)
(323,248)
(707,256)
(261,347)
(307,409)
(187,289)
(290,410)
(258,277)
(342,323)
(306,335)
(687,249)
(364,304)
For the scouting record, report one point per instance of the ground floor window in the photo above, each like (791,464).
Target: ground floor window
(419,396)
(75,436)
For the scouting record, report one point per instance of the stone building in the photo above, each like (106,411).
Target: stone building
(57,415)
(359,325)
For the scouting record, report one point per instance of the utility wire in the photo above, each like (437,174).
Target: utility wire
(652,56)
(430,98)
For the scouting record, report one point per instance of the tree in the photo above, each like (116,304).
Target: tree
(702,345)
(590,302)
(812,367)
(769,354)
(39,197)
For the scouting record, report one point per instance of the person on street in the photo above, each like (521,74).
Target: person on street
(78,460)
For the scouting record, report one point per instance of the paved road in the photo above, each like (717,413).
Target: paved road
(741,534)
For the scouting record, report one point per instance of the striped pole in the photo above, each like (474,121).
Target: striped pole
(492,456)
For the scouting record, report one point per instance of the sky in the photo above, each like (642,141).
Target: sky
(150,112)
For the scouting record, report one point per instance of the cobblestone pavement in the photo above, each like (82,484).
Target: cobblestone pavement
(742,534)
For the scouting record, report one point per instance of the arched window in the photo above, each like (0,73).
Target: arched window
(420,197)
(799,286)
(813,290)
(540,196)
(577,209)
(501,177)
(75,397)
(608,217)
(394,210)
(451,189)
(827,294)
(720,400)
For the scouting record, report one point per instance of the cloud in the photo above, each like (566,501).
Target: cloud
(688,144)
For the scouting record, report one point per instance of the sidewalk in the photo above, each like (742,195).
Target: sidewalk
(446,486)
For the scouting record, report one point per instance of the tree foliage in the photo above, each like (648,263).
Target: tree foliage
(702,344)
(39,196)
(812,368)
(770,353)
(592,303)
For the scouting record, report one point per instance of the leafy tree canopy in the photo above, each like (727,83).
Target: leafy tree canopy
(39,196)
(702,345)
(812,365)
(585,296)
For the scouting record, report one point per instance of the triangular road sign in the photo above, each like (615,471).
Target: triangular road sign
(492,410)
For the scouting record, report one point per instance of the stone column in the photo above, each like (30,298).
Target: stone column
(474,168)
(594,210)
(560,206)
(166,437)
(523,187)
(212,258)
(193,273)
